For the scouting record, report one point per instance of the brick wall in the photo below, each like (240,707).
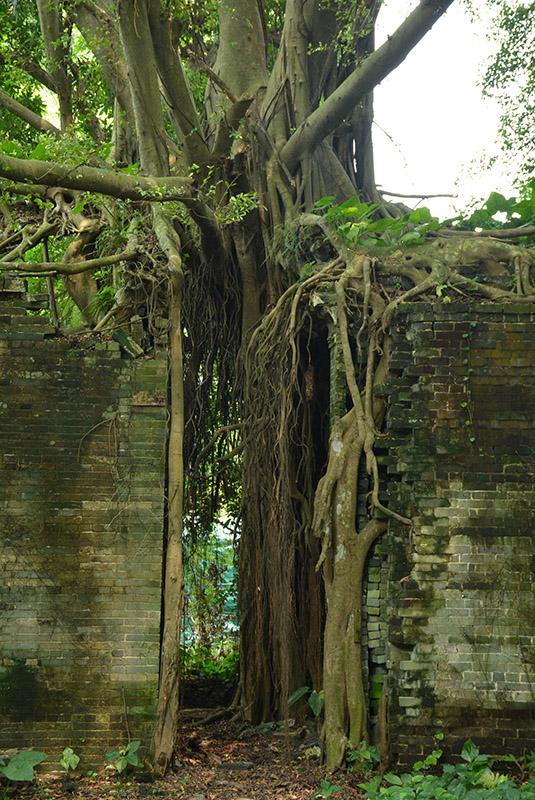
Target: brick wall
(82,435)
(461,463)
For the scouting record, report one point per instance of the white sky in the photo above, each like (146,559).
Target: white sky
(434,111)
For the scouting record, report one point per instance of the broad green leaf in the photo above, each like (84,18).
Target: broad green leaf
(316,702)
(497,202)
(298,694)
(12,149)
(323,202)
(20,767)
(372,786)
(470,751)
(40,151)
(420,215)
(380,225)
(121,764)
(481,219)
(411,237)
(69,759)
(393,780)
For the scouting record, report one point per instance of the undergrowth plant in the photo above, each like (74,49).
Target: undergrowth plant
(124,757)
(69,759)
(362,759)
(474,778)
(327,789)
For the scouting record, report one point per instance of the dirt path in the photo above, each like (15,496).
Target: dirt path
(217,762)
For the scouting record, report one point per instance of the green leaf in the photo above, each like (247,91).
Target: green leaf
(368,242)
(121,764)
(487,778)
(131,169)
(316,702)
(323,202)
(393,780)
(411,237)
(497,202)
(133,746)
(113,755)
(380,225)
(376,690)
(40,151)
(328,789)
(12,149)
(69,759)
(298,694)
(481,219)
(20,767)
(470,751)
(420,215)
(372,786)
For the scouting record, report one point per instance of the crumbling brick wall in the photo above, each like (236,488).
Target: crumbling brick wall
(461,464)
(82,433)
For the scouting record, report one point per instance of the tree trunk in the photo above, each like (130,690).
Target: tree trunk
(166,725)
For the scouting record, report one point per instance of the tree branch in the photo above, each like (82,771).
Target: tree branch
(29,116)
(57,52)
(140,57)
(29,66)
(498,233)
(203,67)
(101,34)
(62,268)
(413,196)
(176,89)
(325,119)
(91,179)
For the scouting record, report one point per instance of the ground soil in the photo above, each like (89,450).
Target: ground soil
(218,761)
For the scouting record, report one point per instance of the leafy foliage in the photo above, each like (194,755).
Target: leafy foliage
(362,759)
(498,211)
(328,789)
(358,226)
(510,77)
(20,44)
(198,662)
(472,779)
(210,624)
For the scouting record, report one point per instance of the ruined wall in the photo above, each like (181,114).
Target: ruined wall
(82,441)
(460,457)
